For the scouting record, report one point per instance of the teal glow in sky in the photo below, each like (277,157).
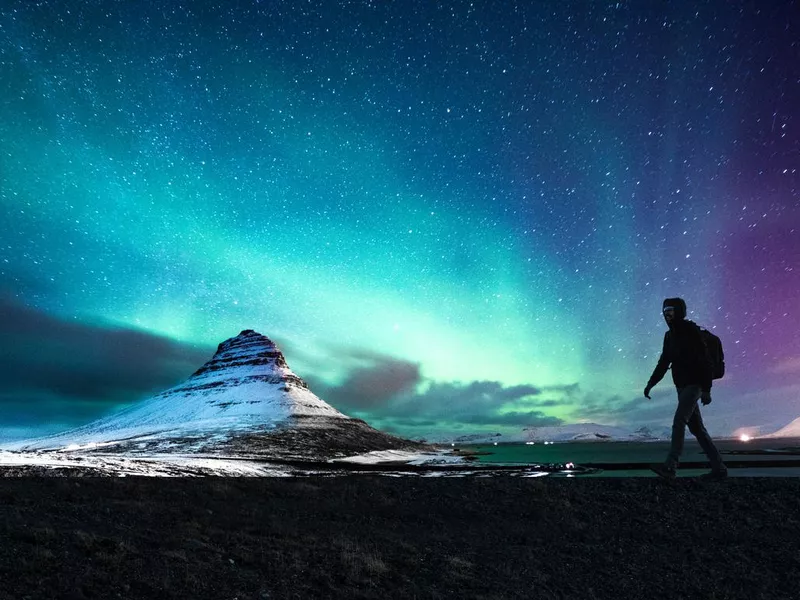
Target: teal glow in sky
(451,216)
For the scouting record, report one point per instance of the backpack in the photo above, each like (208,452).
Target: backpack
(716,357)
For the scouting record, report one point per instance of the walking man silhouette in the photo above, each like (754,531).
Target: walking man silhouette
(685,351)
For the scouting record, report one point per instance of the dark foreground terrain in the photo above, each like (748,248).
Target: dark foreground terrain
(383,537)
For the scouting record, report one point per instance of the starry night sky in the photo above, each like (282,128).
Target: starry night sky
(451,216)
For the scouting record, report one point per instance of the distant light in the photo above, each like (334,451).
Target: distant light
(745,438)
(529,443)
(570,465)
(495,443)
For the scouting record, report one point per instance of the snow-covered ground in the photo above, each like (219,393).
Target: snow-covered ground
(403,456)
(183,465)
(159,466)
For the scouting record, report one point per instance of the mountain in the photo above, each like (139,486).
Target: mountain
(244,402)
(792,430)
(575,432)
(647,434)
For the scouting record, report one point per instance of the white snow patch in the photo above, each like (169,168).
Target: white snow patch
(156,466)
(410,457)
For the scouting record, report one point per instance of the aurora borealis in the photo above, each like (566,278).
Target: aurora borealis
(451,216)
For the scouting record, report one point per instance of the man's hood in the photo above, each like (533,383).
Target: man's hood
(678,304)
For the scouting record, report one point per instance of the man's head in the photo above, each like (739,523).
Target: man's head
(674,309)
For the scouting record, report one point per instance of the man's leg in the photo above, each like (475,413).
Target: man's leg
(699,431)
(687,404)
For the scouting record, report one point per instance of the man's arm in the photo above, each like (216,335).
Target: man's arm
(661,368)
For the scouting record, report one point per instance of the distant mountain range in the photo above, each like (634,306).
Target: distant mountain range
(244,402)
(590,432)
(792,430)
(577,432)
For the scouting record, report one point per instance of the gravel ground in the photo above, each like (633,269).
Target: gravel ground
(371,536)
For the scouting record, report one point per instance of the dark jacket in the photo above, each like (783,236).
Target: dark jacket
(685,350)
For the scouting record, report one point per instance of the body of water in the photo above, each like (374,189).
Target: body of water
(735,452)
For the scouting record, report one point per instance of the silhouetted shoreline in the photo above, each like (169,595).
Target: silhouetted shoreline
(370,536)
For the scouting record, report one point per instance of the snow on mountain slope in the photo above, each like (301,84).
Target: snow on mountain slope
(247,385)
(574,432)
(792,430)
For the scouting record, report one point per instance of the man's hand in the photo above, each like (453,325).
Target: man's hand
(705,398)
(647,392)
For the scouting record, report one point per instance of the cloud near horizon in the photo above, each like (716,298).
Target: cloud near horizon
(787,366)
(394,394)
(57,370)
(373,382)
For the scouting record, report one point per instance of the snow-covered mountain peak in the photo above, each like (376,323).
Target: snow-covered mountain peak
(247,385)
(248,354)
(249,345)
